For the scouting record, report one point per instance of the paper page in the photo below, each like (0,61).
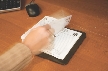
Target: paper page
(62,44)
(56,24)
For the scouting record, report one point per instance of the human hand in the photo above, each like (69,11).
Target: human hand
(39,38)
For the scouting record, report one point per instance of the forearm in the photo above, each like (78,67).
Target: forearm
(16,58)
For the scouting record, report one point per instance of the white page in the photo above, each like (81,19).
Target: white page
(62,44)
(56,24)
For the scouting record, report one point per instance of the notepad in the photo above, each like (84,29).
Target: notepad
(64,46)
(66,40)
(62,43)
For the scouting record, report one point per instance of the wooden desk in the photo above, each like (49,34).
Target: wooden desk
(92,55)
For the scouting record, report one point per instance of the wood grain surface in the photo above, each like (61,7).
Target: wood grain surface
(90,16)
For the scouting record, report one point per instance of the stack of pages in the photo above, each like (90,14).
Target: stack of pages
(66,40)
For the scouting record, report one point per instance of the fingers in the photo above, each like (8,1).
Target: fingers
(49,29)
(51,39)
(47,26)
(51,35)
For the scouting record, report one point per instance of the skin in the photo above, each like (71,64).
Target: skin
(38,38)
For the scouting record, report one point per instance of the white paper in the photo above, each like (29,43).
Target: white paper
(56,24)
(62,44)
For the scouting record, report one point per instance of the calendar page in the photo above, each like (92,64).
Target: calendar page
(62,44)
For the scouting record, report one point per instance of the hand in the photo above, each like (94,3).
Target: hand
(39,38)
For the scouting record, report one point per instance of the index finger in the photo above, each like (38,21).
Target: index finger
(47,26)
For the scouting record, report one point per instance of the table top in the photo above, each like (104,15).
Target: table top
(92,55)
